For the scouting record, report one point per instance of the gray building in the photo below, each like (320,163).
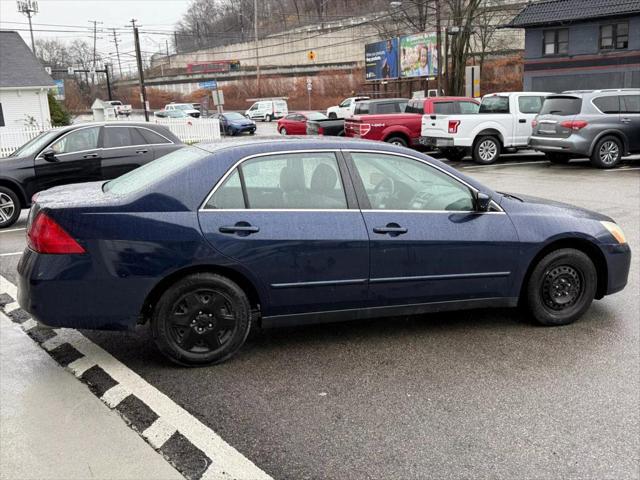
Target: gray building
(580,44)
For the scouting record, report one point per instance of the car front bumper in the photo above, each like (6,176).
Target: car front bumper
(574,144)
(618,258)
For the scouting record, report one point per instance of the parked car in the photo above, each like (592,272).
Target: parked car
(404,128)
(601,124)
(120,108)
(204,244)
(172,114)
(296,123)
(346,107)
(78,153)
(234,123)
(335,127)
(187,108)
(268,110)
(502,123)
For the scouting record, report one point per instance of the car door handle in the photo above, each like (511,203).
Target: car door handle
(90,155)
(140,152)
(625,120)
(392,229)
(241,228)
(523,120)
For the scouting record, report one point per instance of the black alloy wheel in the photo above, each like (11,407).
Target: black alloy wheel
(202,319)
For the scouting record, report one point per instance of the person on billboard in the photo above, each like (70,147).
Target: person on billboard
(390,63)
(423,62)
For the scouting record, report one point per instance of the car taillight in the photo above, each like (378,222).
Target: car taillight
(46,236)
(320,131)
(534,123)
(363,129)
(574,124)
(453,126)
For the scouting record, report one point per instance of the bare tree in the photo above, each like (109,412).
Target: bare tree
(52,53)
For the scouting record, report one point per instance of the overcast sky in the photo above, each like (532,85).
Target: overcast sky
(156,15)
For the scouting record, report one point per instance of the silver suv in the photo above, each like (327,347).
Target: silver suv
(601,124)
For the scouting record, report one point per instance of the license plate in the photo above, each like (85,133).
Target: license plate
(549,129)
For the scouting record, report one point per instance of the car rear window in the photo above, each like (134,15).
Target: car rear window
(444,108)
(361,108)
(494,105)
(564,106)
(415,106)
(152,172)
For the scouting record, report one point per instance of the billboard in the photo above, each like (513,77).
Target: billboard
(381,59)
(419,55)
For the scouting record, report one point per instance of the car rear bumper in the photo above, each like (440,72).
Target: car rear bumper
(61,291)
(437,142)
(573,144)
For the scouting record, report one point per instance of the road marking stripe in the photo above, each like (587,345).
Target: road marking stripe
(495,165)
(621,169)
(13,230)
(178,426)
(115,395)
(11,306)
(52,343)
(10,254)
(29,324)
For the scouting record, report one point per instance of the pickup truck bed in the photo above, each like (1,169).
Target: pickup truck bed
(329,127)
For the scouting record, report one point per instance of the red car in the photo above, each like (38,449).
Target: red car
(405,128)
(296,122)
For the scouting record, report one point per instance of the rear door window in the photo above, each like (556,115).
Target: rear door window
(630,103)
(608,105)
(564,106)
(152,137)
(115,137)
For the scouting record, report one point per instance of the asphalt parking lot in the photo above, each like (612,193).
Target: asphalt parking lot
(482,394)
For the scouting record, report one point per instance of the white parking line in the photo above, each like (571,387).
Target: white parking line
(11,254)
(13,230)
(621,169)
(227,462)
(504,165)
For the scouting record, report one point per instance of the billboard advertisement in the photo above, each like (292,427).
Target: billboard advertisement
(381,59)
(418,55)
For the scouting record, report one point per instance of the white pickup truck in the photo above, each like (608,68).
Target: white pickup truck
(502,123)
(345,109)
(119,108)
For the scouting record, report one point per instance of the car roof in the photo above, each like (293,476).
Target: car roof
(109,124)
(587,93)
(378,100)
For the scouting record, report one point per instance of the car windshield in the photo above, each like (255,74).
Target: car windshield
(234,116)
(561,106)
(151,172)
(185,106)
(36,144)
(316,116)
(176,113)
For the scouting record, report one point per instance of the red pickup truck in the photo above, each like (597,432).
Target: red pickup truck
(405,128)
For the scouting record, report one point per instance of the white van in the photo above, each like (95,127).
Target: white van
(267,110)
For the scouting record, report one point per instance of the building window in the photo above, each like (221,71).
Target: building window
(614,36)
(556,42)
(1,117)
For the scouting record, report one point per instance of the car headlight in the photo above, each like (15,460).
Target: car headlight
(616,231)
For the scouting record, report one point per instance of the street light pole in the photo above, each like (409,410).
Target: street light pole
(29,8)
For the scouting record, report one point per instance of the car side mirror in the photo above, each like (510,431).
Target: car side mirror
(49,155)
(483,202)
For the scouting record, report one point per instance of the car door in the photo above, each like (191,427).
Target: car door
(160,144)
(528,107)
(124,149)
(72,158)
(299,124)
(427,241)
(291,219)
(630,120)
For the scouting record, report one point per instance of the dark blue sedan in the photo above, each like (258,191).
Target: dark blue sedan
(234,123)
(205,242)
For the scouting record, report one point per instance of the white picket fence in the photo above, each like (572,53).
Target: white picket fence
(190,131)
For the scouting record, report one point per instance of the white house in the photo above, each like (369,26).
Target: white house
(23,84)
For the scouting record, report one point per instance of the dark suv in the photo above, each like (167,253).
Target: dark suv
(78,153)
(601,124)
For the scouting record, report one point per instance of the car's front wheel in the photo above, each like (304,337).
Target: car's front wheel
(9,207)
(202,319)
(607,153)
(267,118)
(283,131)
(561,287)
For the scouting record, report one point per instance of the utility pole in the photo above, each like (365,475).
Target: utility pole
(168,57)
(439,46)
(29,8)
(115,41)
(95,32)
(143,92)
(255,33)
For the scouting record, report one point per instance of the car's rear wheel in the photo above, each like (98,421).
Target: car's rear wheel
(607,153)
(555,157)
(561,287)
(9,207)
(283,131)
(486,150)
(202,319)
(268,118)
(401,142)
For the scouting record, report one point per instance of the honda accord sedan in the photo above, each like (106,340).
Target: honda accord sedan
(206,242)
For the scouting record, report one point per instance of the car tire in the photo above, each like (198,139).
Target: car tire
(454,154)
(333,116)
(283,131)
(401,142)
(559,158)
(486,150)
(267,118)
(607,152)
(561,287)
(10,207)
(201,319)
